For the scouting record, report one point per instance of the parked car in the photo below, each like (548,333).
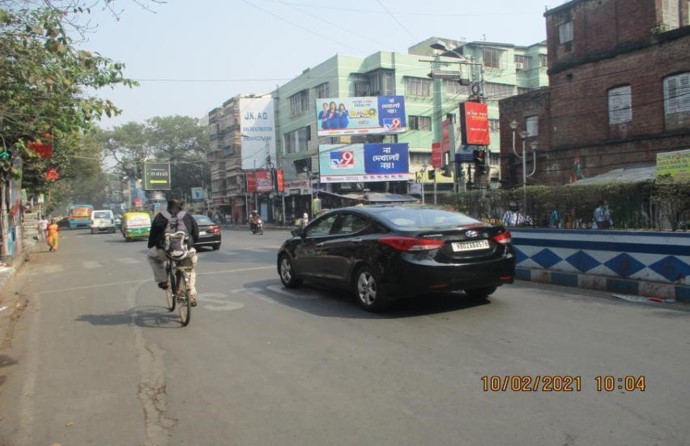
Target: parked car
(384,253)
(102,220)
(209,232)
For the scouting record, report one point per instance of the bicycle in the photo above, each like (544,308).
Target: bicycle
(177,293)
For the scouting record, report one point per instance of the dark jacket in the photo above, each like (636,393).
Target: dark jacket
(157,233)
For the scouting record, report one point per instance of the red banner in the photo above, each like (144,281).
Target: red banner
(474,123)
(436,155)
(280,182)
(445,137)
(251,182)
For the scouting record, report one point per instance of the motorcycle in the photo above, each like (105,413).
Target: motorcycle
(257,227)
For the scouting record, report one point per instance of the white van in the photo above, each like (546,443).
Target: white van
(102,221)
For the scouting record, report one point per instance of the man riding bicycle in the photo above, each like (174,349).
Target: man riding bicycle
(157,254)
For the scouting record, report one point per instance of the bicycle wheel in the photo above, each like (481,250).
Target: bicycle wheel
(184,305)
(170,292)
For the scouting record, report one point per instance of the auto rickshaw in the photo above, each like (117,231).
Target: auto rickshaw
(135,225)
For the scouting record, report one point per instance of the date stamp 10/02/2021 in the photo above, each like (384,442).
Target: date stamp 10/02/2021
(562,383)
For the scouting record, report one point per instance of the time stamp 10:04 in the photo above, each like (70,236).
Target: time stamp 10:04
(561,383)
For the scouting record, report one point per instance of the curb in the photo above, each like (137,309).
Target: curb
(602,283)
(13,303)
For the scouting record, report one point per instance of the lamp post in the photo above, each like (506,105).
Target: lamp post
(533,146)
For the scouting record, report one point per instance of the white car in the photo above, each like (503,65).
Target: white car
(102,221)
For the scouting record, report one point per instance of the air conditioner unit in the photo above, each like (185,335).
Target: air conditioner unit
(519,65)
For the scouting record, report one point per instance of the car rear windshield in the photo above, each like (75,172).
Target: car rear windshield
(201,220)
(413,219)
(101,214)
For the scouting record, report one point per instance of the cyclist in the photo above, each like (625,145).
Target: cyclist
(157,255)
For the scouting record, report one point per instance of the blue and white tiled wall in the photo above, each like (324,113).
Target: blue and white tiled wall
(644,263)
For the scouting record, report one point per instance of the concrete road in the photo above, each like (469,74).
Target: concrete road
(97,359)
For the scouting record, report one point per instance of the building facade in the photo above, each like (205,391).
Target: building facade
(619,91)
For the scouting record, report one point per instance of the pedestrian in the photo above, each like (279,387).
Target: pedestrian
(52,235)
(513,217)
(570,219)
(42,228)
(554,219)
(602,216)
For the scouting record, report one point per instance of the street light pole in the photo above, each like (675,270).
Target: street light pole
(525,175)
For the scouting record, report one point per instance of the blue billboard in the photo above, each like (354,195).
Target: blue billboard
(344,163)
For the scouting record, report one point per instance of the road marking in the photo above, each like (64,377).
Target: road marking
(45,269)
(304,295)
(220,299)
(259,294)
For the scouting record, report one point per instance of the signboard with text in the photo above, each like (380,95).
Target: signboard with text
(474,122)
(257,124)
(345,163)
(360,115)
(157,176)
(675,164)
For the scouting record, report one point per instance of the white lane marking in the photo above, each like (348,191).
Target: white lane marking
(302,294)
(220,299)
(259,294)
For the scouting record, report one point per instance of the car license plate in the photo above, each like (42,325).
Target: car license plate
(202,232)
(470,246)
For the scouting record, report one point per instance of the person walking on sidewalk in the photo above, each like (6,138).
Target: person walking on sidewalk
(602,216)
(52,235)
(42,228)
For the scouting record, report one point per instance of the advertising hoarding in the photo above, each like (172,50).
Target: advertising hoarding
(157,176)
(675,164)
(474,122)
(344,163)
(257,124)
(360,115)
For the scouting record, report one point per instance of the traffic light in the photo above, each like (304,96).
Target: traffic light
(447,170)
(432,174)
(479,157)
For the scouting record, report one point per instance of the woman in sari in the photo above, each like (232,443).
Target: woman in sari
(52,235)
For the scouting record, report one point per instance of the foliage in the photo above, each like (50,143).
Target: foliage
(180,140)
(663,204)
(44,81)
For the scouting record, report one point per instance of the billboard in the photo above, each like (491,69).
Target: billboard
(474,122)
(360,115)
(345,163)
(257,124)
(262,181)
(157,176)
(675,164)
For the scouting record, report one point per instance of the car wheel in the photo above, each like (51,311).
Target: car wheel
(480,293)
(371,294)
(216,247)
(286,273)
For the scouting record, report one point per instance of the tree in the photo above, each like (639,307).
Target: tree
(179,140)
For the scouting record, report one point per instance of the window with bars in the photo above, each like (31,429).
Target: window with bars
(419,122)
(322,91)
(521,62)
(382,82)
(620,105)
(677,94)
(454,88)
(532,126)
(299,102)
(565,32)
(494,125)
(496,92)
(417,86)
(670,13)
(543,60)
(491,57)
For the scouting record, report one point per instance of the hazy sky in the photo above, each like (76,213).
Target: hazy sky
(192,55)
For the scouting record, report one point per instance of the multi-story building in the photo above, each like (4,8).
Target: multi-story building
(498,70)
(619,94)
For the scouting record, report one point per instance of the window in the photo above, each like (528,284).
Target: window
(362,88)
(494,125)
(565,32)
(491,57)
(543,60)
(453,88)
(417,86)
(322,228)
(677,94)
(299,102)
(297,140)
(419,122)
(532,125)
(322,91)
(521,63)
(349,224)
(382,83)
(670,14)
(495,91)
(620,105)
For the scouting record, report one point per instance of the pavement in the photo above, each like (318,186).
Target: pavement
(12,304)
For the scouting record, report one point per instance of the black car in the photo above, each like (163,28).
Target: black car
(384,253)
(209,232)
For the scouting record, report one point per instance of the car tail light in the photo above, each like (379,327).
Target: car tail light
(213,229)
(503,238)
(411,243)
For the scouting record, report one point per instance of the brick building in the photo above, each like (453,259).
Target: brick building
(619,91)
